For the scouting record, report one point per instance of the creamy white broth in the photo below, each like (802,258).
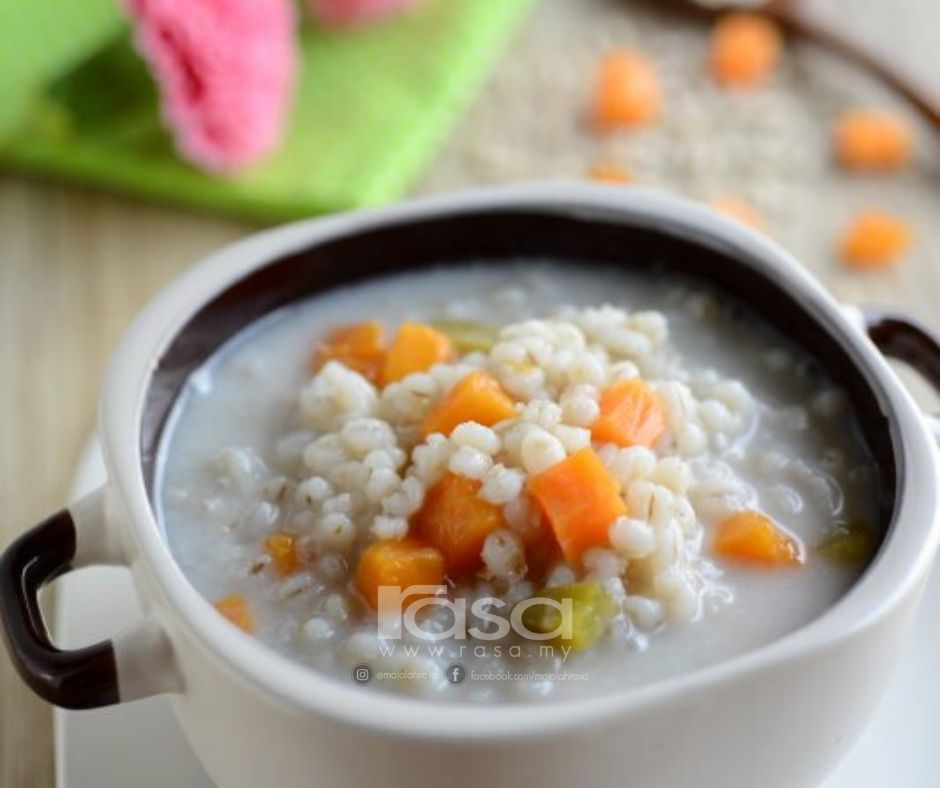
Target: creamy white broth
(800,457)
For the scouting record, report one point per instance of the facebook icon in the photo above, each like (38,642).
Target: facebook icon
(455,674)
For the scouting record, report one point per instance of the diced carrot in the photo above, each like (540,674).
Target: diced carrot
(874,240)
(605,172)
(477,397)
(628,92)
(235,609)
(417,347)
(392,562)
(740,210)
(542,554)
(744,49)
(283,551)
(456,521)
(580,499)
(360,346)
(751,537)
(631,415)
(403,563)
(873,140)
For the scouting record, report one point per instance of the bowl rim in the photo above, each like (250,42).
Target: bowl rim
(894,575)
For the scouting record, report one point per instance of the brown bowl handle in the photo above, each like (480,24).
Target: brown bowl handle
(84,678)
(905,339)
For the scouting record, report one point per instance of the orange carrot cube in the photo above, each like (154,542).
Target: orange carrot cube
(477,397)
(744,49)
(283,551)
(580,499)
(740,210)
(235,609)
(360,346)
(628,92)
(417,348)
(753,538)
(875,240)
(404,563)
(873,140)
(631,415)
(457,521)
(605,172)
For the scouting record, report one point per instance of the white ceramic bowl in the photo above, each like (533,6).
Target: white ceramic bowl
(782,715)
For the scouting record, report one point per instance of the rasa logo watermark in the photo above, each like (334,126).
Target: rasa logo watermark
(398,615)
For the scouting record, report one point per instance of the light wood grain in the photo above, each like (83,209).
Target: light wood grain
(76,265)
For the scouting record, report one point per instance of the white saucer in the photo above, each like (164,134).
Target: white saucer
(136,744)
(140,744)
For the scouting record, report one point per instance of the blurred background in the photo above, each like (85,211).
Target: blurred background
(135,140)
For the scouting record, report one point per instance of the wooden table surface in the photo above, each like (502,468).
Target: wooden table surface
(76,265)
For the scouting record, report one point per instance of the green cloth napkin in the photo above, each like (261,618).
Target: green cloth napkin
(372,106)
(42,39)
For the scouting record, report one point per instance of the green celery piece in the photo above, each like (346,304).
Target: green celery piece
(853,544)
(592,609)
(468,336)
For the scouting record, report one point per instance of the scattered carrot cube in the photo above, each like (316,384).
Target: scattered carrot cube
(360,346)
(580,499)
(456,521)
(283,551)
(235,609)
(631,415)
(875,240)
(605,172)
(477,397)
(751,537)
(744,49)
(404,563)
(740,210)
(873,140)
(417,347)
(628,92)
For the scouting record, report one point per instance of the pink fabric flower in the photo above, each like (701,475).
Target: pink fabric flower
(347,13)
(225,70)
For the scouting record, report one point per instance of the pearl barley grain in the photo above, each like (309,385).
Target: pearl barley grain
(580,411)
(470,463)
(503,554)
(632,538)
(645,612)
(502,485)
(384,527)
(476,436)
(540,451)
(319,631)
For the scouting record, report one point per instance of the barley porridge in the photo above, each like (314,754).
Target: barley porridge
(589,480)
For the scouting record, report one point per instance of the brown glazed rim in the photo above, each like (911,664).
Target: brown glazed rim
(586,235)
